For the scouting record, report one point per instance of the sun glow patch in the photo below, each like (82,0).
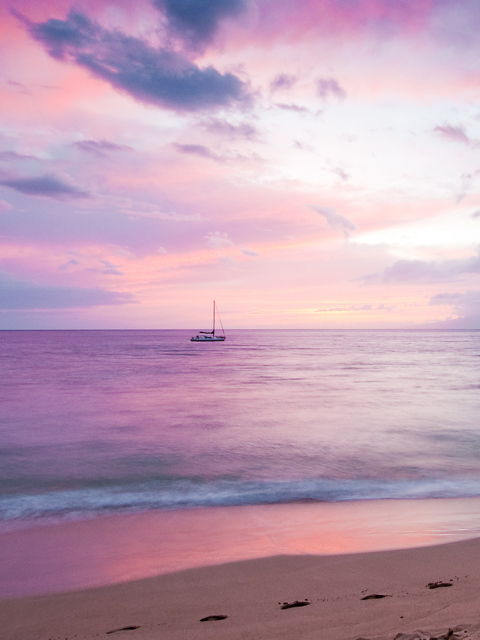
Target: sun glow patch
(444,231)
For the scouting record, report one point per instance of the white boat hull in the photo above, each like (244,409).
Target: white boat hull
(209,336)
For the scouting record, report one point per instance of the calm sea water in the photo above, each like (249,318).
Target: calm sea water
(96,422)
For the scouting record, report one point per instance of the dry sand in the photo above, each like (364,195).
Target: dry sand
(251,593)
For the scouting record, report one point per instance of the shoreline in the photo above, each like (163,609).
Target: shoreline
(244,600)
(122,548)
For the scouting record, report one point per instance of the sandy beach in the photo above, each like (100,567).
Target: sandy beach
(429,592)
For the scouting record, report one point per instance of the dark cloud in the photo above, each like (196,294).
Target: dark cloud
(282,81)
(155,76)
(197,21)
(46,185)
(335,220)
(18,294)
(456,134)
(405,271)
(98,148)
(329,87)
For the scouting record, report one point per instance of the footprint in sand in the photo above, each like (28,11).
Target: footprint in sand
(295,603)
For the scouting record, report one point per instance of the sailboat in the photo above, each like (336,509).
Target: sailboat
(209,336)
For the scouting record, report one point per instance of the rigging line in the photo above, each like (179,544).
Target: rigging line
(220,320)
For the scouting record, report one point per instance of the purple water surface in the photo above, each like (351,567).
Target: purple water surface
(106,421)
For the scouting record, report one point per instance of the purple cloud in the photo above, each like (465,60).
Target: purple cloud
(282,81)
(225,128)
(197,21)
(456,134)
(465,305)
(405,271)
(196,150)
(98,148)
(156,76)
(18,294)
(291,107)
(52,223)
(46,185)
(329,87)
(13,155)
(111,269)
(249,252)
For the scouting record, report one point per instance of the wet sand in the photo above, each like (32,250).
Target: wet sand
(93,553)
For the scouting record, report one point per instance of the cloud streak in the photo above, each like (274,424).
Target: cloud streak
(100,147)
(18,294)
(226,129)
(47,185)
(455,134)
(197,150)
(335,220)
(411,271)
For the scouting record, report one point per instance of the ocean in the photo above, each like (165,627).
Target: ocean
(95,423)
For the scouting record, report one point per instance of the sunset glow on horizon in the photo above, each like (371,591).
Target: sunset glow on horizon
(307,165)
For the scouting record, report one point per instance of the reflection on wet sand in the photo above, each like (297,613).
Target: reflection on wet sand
(120,548)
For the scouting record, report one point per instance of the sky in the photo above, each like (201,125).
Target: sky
(305,163)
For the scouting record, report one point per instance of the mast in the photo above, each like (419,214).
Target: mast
(213,332)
